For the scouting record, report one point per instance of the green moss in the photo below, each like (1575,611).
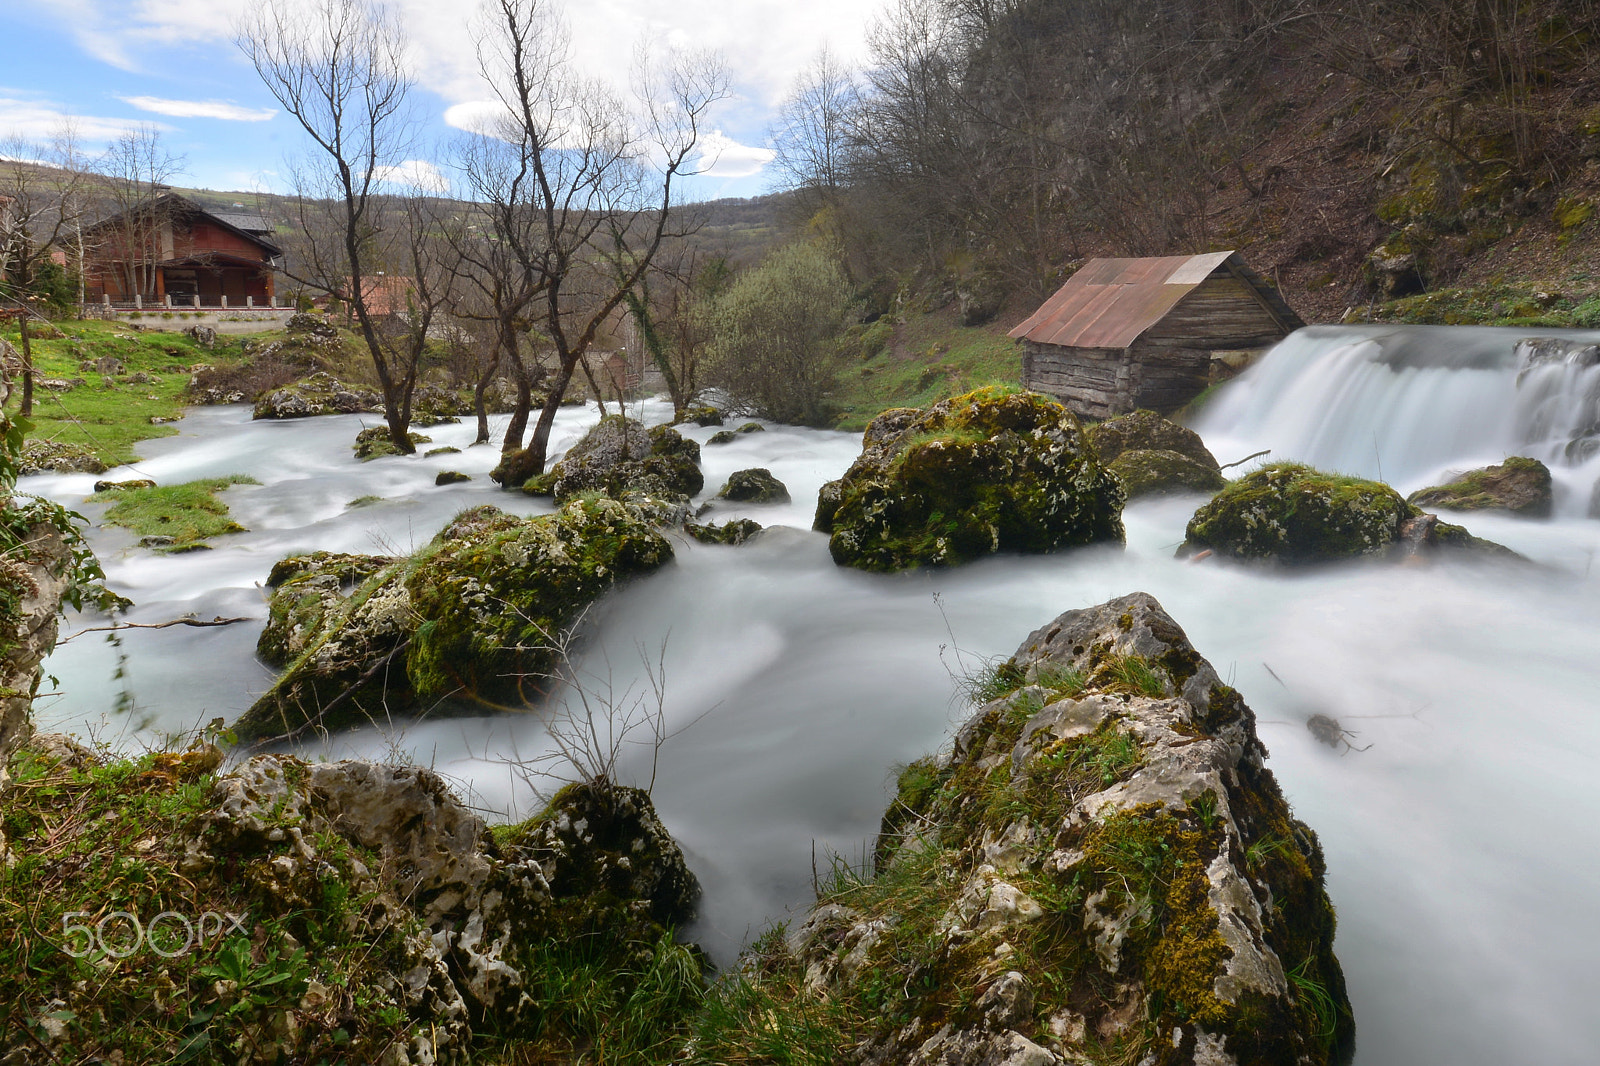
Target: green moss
(994,470)
(1150,473)
(185,513)
(1519,485)
(109,418)
(921,360)
(1297,515)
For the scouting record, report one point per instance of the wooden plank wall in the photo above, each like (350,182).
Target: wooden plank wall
(1168,366)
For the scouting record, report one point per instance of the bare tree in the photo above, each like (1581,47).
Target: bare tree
(340,71)
(578,187)
(812,133)
(41,209)
(133,174)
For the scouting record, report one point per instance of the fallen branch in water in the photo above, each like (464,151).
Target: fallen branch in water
(1246,459)
(186,620)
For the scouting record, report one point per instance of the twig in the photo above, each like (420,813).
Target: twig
(1246,459)
(187,620)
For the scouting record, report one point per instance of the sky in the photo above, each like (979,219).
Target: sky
(116,64)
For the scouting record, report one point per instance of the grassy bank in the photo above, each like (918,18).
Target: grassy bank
(109,413)
(921,360)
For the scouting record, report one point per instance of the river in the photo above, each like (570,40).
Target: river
(1462,828)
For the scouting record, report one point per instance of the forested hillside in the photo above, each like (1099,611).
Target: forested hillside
(1356,150)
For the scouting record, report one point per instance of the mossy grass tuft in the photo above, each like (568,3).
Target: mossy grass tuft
(185,513)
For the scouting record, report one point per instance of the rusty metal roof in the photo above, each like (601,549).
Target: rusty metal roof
(1109,303)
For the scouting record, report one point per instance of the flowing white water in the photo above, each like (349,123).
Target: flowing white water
(1414,405)
(1463,846)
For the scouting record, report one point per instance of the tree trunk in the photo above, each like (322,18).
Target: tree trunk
(519,413)
(540,444)
(480,389)
(27,367)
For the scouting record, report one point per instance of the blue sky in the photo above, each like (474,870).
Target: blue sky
(114,64)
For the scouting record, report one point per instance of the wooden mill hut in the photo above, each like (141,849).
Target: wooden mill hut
(1122,334)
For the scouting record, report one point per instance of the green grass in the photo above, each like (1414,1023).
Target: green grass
(1488,305)
(111,418)
(927,358)
(187,513)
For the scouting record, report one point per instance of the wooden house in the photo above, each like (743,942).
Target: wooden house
(1124,334)
(174,248)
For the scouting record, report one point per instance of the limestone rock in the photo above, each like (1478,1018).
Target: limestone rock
(756,485)
(1149,472)
(319,393)
(471,618)
(618,455)
(33,578)
(736,531)
(204,336)
(60,457)
(1295,515)
(374,443)
(1519,485)
(1161,895)
(987,472)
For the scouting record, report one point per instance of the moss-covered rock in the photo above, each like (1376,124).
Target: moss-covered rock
(1101,862)
(471,619)
(317,394)
(1154,455)
(451,477)
(1519,485)
(756,485)
(701,415)
(1148,472)
(619,455)
(722,436)
(736,531)
(373,443)
(991,471)
(352,910)
(1296,515)
(1148,431)
(515,468)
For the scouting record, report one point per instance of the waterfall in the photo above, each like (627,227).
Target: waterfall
(1414,405)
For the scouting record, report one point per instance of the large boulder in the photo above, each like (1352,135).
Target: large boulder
(990,471)
(618,455)
(1519,485)
(756,485)
(317,394)
(1155,456)
(472,618)
(1296,515)
(1101,860)
(343,912)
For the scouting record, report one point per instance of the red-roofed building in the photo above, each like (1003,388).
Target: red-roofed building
(174,248)
(1122,334)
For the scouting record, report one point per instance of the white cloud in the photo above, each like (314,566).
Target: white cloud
(37,120)
(417,174)
(200,109)
(723,157)
(475,116)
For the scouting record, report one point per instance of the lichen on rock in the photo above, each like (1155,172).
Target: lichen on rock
(1519,485)
(362,913)
(316,394)
(617,455)
(472,618)
(1102,861)
(990,471)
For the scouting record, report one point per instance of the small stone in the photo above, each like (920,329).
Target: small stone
(451,477)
